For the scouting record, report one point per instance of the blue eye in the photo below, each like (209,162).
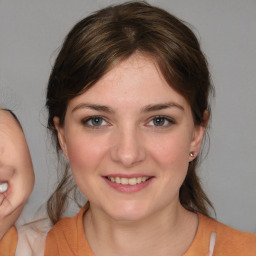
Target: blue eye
(160,121)
(94,121)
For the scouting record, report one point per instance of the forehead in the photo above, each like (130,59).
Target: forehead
(134,81)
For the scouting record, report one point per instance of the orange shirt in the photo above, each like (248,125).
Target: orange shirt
(229,242)
(8,243)
(67,238)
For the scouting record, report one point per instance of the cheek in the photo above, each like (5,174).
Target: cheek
(24,171)
(171,157)
(171,150)
(84,153)
(171,162)
(18,157)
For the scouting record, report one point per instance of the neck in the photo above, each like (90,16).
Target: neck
(167,232)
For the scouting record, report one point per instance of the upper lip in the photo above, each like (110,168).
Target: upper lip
(135,175)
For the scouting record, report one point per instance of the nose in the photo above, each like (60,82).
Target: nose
(128,147)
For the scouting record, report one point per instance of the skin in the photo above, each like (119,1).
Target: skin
(128,140)
(15,168)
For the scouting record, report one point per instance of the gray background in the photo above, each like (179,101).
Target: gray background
(31,32)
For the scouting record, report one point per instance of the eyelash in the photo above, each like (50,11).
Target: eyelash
(86,122)
(169,121)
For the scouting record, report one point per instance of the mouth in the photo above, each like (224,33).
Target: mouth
(128,181)
(3,187)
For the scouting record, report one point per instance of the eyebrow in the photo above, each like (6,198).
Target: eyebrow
(156,107)
(93,107)
(148,108)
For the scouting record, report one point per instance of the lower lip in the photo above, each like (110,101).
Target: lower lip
(128,188)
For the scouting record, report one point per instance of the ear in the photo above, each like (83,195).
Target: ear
(61,136)
(198,136)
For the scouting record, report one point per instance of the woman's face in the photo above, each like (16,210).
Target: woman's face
(16,169)
(128,140)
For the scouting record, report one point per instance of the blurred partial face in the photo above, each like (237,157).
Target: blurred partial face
(16,171)
(128,140)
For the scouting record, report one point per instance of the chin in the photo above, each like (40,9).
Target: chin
(128,212)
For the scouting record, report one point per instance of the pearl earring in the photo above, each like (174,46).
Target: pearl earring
(191,154)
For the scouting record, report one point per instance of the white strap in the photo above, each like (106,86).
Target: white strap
(212,243)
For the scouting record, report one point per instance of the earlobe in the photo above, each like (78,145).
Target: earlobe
(61,136)
(198,136)
(196,141)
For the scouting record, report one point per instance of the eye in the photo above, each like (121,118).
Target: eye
(160,121)
(94,121)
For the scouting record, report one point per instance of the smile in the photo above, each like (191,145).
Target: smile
(128,181)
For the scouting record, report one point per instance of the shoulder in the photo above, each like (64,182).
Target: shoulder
(67,224)
(229,240)
(9,242)
(63,238)
(65,229)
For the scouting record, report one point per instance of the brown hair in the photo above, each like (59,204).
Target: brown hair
(111,35)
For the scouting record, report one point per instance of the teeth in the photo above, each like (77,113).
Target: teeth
(132,181)
(126,181)
(3,187)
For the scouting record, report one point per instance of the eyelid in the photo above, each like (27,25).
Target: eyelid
(86,120)
(170,121)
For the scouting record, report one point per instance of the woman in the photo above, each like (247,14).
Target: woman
(16,178)
(128,102)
